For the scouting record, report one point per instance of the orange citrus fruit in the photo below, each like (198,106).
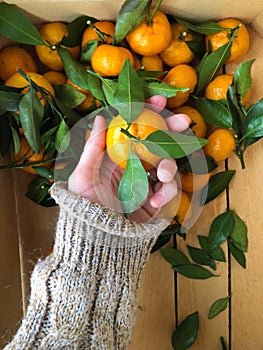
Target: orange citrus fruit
(217,88)
(52,34)
(14,57)
(55,78)
(178,207)
(16,80)
(221,143)
(177,51)
(193,182)
(108,60)
(152,63)
(25,153)
(200,126)
(89,100)
(149,40)
(106,29)
(118,144)
(240,44)
(183,76)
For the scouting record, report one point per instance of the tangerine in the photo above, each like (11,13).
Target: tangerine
(108,60)
(52,33)
(152,63)
(194,182)
(200,126)
(183,76)
(89,100)
(55,78)
(151,39)
(221,143)
(14,57)
(240,44)
(106,30)
(18,81)
(178,51)
(25,153)
(118,144)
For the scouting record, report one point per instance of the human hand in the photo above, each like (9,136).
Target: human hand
(97,178)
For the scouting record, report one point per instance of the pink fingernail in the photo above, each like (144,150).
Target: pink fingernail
(158,201)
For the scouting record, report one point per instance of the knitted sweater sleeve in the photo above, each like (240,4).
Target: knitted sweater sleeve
(83,296)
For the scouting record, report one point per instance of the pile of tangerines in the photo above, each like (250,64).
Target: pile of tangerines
(158,45)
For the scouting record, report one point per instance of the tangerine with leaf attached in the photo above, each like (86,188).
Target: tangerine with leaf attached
(118,144)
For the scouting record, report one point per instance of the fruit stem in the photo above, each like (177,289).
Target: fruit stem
(150,19)
(126,132)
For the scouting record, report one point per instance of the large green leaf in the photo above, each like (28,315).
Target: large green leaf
(205,28)
(129,95)
(237,254)
(133,187)
(217,253)
(216,185)
(62,137)
(253,124)
(214,112)
(157,87)
(193,271)
(131,14)
(17,27)
(9,101)
(201,257)
(220,229)
(186,333)
(217,307)
(239,234)
(75,31)
(175,257)
(242,78)
(69,95)
(31,115)
(74,70)
(166,143)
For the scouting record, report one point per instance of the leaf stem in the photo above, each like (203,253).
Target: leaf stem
(150,19)
(126,132)
(101,34)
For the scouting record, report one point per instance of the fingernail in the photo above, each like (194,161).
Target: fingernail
(178,122)
(165,175)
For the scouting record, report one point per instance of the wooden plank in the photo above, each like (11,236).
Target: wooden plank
(10,280)
(198,295)
(246,198)
(156,316)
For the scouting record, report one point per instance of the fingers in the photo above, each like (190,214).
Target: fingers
(157,102)
(92,155)
(165,192)
(178,122)
(166,170)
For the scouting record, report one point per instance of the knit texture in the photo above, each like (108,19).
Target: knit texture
(83,296)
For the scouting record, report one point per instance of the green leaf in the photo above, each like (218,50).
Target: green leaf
(242,78)
(216,185)
(161,241)
(74,70)
(9,101)
(205,28)
(88,50)
(237,119)
(239,234)
(44,172)
(253,124)
(197,45)
(175,257)
(223,343)
(16,140)
(133,187)
(69,95)
(75,31)
(197,164)
(157,87)
(131,14)
(62,137)
(16,26)
(193,271)
(217,307)
(31,115)
(95,86)
(216,253)
(186,333)
(200,256)
(71,116)
(214,112)
(211,64)
(109,88)
(129,95)
(237,254)
(38,192)
(220,229)
(5,134)
(170,144)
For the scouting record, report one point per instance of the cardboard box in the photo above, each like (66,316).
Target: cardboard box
(26,230)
